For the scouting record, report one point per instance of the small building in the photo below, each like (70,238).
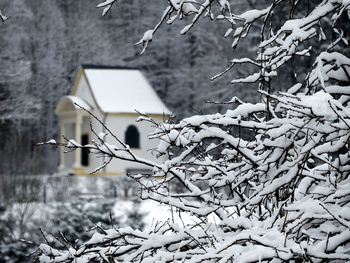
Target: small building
(113,95)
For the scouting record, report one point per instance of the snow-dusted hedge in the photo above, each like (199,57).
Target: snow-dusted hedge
(272,176)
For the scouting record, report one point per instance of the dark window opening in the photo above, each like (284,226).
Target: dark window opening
(84,151)
(132,137)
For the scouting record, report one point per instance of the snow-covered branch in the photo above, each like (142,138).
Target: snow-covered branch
(283,191)
(3,17)
(264,182)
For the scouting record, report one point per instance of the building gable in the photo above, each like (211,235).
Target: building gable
(82,89)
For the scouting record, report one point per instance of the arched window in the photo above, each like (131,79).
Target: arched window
(132,137)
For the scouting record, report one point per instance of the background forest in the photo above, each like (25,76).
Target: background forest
(44,43)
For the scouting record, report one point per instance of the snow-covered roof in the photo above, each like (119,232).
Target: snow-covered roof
(71,103)
(118,90)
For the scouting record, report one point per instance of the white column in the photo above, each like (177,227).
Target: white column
(62,133)
(78,122)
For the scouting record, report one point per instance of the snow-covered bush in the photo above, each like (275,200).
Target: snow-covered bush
(266,182)
(73,222)
(76,219)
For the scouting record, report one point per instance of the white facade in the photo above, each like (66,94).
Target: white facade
(112,95)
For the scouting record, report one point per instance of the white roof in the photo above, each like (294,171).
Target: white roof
(70,103)
(78,101)
(123,91)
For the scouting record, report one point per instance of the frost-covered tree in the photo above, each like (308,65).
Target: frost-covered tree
(265,182)
(3,17)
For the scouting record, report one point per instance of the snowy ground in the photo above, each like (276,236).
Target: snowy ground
(153,212)
(72,205)
(66,192)
(75,205)
(90,189)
